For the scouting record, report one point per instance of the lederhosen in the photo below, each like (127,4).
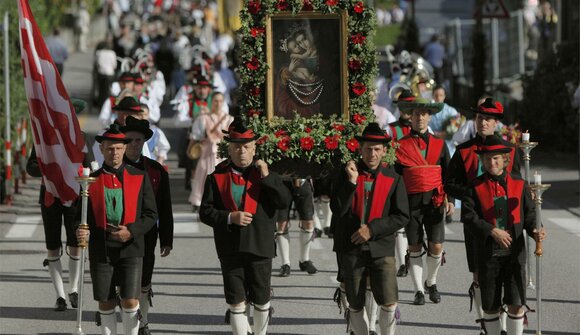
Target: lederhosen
(303,198)
(422,163)
(378,200)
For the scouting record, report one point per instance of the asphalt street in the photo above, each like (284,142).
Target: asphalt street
(188,285)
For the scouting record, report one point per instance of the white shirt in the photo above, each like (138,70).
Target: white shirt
(106,60)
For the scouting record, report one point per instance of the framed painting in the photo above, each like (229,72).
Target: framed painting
(307,74)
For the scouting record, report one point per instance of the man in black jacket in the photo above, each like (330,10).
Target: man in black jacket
(138,132)
(498,207)
(121,210)
(465,166)
(239,202)
(370,203)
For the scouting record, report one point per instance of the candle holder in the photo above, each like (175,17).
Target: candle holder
(527,147)
(84,181)
(538,189)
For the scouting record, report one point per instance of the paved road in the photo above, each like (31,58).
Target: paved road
(188,287)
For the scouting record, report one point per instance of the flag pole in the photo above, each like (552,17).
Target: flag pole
(8,145)
(85,181)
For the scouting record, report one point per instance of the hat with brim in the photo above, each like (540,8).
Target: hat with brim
(113,134)
(129,105)
(492,145)
(420,103)
(203,81)
(238,132)
(127,77)
(373,133)
(140,126)
(79,105)
(138,78)
(405,95)
(490,108)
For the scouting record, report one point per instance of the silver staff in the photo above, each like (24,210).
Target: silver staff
(527,147)
(538,189)
(85,180)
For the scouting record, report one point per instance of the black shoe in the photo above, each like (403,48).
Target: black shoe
(74,299)
(60,305)
(433,293)
(327,232)
(308,267)
(372,332)
(419,298)
(403,271)
(285,270)
(448,219)
(503,332)
(317,233)
(144,331)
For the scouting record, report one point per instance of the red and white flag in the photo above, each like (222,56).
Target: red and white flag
(58,141)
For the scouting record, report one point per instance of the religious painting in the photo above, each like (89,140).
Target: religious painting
(306,54)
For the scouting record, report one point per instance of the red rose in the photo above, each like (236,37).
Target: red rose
(284,144)
(307,143)
(254,7)
(262,139)
(255,91)
(252,112)
(358,118)
(331,142)
(253,64)
(359,7)
(282,5)
(357,38)
(338,127)
(308,130)
(281,133)
(256,31)
(331,3)
(359,88)
(354,64)
(352,144)
(307,5)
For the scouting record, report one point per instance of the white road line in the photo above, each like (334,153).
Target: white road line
(570,224)
(185,223)
(24,226)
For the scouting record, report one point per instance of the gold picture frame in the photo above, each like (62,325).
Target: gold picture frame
(307,58)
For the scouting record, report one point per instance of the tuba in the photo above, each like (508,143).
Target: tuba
(414,74)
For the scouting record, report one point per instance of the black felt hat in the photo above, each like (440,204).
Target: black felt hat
(373,133)
(141,126)
(114,134)
(129,105)
(420,103)
(238,132)
(126,76)
(490,108)
(492,144)
(200,80)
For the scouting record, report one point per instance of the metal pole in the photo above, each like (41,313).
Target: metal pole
(85,180)
(495,48)
(521,59)
(527,148)
(7,89)
(538,190)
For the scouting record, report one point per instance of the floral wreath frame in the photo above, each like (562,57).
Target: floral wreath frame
(314,139)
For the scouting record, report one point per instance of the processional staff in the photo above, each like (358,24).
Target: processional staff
(527,147)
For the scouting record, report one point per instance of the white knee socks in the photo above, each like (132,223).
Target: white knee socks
(503,316)
(433,265)
(371,307)
(477,300)
(283,243)
(416,269)
(144,305)
(305,244)
(261,318)
(387,320)
(492,323)
(130,317)
(108,322)
(402,245)
(55,270)
(325,207)
(515,324)
(359,322)
(74,273)
(239,320)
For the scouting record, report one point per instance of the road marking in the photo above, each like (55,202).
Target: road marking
(571,225)
(24,226)
(185,223)
(448,231)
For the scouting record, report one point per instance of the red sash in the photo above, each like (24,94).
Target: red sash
(381,188)
(471,161)
(131,187)
(251,193)
(484,192)
(422,174)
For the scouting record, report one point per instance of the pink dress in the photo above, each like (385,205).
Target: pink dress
(208,159)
